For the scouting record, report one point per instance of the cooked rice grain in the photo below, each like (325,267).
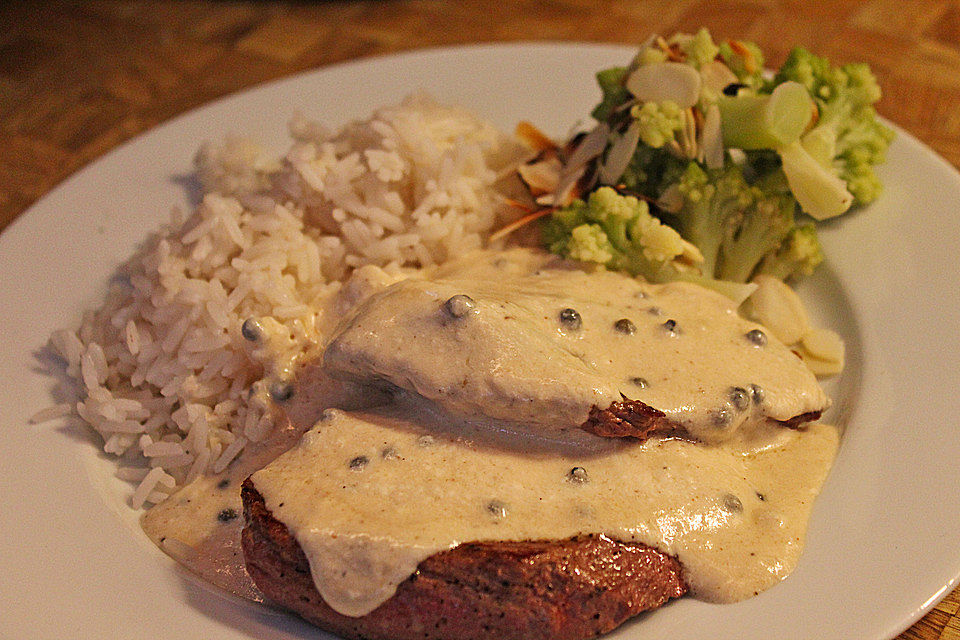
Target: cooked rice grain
(164,369)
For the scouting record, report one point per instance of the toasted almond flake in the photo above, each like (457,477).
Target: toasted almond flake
(711,138)
(567,188)
(591,146)
(516,224)
(749,62)
(533,138)
(689,137)
(541,176)
(716,76)
(620,154)
(660,81)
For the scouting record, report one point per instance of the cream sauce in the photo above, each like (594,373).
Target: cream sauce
(199,525)
(540,342)
(478,440)
(370,495)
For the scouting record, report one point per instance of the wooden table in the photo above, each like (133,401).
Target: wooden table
(78,78)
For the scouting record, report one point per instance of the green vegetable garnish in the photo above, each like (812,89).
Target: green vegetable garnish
(727,176)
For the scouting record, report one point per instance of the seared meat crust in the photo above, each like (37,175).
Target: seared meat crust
(630,418)
(533,590)
(635,419)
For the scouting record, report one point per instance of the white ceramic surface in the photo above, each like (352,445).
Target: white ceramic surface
(884,543)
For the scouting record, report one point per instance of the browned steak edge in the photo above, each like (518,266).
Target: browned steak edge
(635,419)
(535,590)
(797,421)
(629,418)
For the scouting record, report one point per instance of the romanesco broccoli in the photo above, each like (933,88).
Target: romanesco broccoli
(847,131)
(698,48)
(799,254)
(659,122)
(809,139)
(618,232)
(745,60)
(614,93)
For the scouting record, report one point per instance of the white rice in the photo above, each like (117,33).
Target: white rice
(164,370)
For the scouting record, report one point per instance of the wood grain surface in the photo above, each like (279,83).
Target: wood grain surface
(79,78)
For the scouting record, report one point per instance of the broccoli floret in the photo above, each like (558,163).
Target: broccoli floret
(755,231)
(649,55)
(848,138)
(733,223)
(708,200)
(745,60)
(699,48)
(649,169)
(810,137)
(659,122)
(618,232)
(614,93)
(799,254)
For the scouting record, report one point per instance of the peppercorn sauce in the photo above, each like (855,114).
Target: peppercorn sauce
(446,408)
(734,514)
(493,363)
(544,341)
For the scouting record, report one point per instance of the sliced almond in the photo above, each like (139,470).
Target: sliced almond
(542,176)
(620,153)
(821,367)
(660,81)
(716,76)
(711,139)
(591,146)
(687,136)
(749,62)
(568,189)
(824,344)
(533,138)
(776,306)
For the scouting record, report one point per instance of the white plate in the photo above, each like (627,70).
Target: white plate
(884,543)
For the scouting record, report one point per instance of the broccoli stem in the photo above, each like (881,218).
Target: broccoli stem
(817,189)
(765,121)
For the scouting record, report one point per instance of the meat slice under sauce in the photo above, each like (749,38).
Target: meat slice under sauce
(522,338)
(370,495)
(529,590)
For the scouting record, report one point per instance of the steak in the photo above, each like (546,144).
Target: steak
(529,590)
(634,419)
